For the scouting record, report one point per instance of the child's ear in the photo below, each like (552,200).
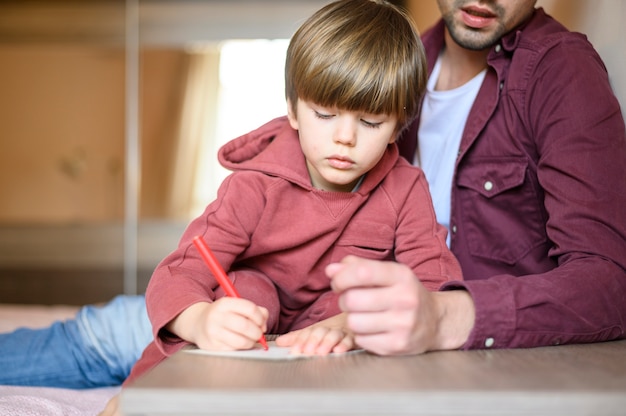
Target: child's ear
(291,115)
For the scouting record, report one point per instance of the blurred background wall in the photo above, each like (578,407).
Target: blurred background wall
(208,70)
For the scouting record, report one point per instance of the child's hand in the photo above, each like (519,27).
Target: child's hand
(226,324)
(324,337)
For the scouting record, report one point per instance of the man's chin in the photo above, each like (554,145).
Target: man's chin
(474,40)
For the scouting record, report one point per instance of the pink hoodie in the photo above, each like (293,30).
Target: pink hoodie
(275,234)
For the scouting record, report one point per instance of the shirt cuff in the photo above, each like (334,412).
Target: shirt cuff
(495,321)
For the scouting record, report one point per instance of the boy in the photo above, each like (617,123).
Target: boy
(307,190)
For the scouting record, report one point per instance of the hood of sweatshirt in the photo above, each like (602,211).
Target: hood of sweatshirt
(274,149)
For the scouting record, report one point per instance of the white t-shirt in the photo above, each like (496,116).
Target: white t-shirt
(443,118)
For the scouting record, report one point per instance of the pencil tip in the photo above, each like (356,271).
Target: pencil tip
(264,343)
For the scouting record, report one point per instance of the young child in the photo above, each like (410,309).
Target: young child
(307,190)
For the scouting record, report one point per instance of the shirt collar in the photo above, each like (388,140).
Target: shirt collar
(511,40)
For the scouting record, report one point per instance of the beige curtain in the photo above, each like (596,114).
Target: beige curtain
(196,131)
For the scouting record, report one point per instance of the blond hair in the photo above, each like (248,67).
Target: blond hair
(358,55)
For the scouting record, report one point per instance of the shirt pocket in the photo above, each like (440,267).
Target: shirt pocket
(367,239)
(500,210)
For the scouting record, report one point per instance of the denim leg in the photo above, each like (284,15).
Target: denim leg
(114,337)
(96,349)
(41,357)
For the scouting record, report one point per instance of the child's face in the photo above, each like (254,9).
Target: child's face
(340,146)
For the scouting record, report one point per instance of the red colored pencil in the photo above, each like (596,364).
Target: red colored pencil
(218,272)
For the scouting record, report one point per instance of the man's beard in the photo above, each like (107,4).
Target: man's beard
(473,39)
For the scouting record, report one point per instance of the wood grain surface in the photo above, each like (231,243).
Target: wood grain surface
(561,380)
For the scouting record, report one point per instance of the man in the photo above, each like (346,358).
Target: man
(531,184)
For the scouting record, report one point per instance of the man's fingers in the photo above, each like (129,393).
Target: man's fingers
(353,272)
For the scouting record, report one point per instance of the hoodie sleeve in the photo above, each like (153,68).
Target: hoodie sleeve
(183,278)
(420,239)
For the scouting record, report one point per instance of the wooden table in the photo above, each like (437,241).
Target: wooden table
(562,380)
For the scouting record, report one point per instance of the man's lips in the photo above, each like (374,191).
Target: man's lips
(477,17)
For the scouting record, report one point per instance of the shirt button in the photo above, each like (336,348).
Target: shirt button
(498,48)
(502,85)
(489,342)
(454,229)
(488,186)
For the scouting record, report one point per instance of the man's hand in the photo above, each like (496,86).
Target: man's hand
(391,313)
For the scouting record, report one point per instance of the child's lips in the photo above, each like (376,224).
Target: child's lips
(340,162)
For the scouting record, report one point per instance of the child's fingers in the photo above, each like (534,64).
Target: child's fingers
(345,345)
(233,324)
(228,340)
(333,340)
(258,315)
(287,340)
(319,340)
(294,339)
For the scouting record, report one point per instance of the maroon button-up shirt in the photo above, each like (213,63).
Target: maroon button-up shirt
(538,215)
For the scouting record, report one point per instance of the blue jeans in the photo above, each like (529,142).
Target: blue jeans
(96,349)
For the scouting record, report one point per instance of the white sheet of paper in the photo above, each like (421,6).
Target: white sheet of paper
(274,352)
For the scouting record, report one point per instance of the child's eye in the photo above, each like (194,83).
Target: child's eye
(323,116)
(372,124)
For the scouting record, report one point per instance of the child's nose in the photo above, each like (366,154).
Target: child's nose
(345,133)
